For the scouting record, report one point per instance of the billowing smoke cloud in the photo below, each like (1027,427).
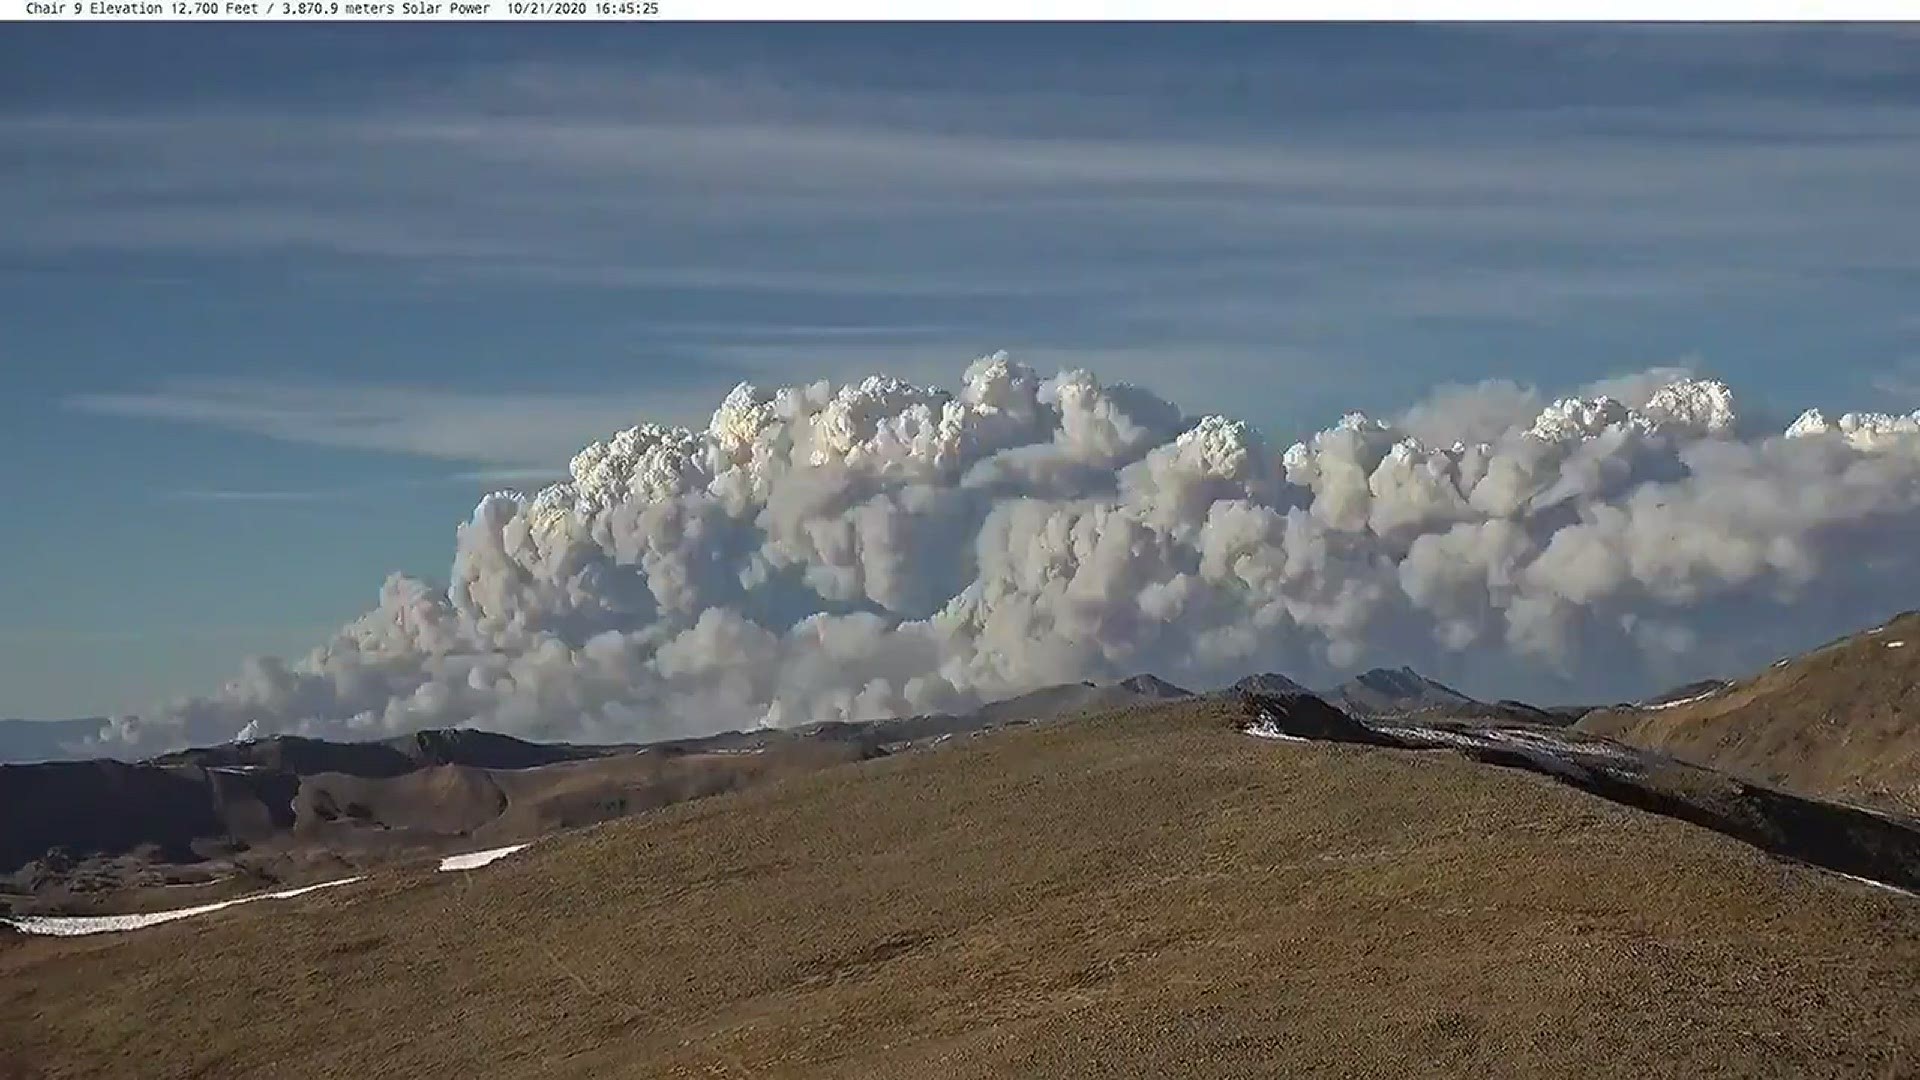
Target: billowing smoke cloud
(882,549)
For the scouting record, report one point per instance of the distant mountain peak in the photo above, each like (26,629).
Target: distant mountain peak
(1270,683)
(1407,683)
(1149,685)
(1402,690)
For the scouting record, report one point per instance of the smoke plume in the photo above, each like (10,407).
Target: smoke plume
(884,549)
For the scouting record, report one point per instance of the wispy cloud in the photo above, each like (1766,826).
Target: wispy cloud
(41,634)
(521,431)
(526,438)
(355,492)
(1901,383)
(703,183)
(795,219)
(263,495)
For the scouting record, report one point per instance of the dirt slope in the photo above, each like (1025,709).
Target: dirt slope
(1842,720)
(1146,894)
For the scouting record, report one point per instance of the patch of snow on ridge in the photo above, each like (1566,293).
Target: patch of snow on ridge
(1268,728)
(1876,884)
(1437,736)
(1895,644)
(473,860)
(1538,744)
(75,925)
(1683,701)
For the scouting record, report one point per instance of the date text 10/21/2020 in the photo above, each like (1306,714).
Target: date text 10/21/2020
(387,8)
(598,8)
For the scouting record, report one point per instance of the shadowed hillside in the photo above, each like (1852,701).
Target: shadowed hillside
(187,804)
(205,824)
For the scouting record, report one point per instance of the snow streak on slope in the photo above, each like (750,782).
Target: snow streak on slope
(474,860)
(1683,701)
(883,549)
(75,925)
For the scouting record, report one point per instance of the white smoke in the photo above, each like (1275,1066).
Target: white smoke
(882,549)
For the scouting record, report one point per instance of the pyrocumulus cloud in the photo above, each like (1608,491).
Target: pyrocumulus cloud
(882,548)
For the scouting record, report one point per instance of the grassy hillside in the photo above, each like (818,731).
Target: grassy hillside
(1140,894)
(1842,721)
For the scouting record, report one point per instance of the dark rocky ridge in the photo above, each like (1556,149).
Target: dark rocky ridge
(1862,843)
(109,807)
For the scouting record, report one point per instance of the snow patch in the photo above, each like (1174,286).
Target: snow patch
(1436,735)
(1268,727)
(1895,644)
(1687,700)
(1268,731)
(75,925)
(1877,884)
(1536,744)
(473,860)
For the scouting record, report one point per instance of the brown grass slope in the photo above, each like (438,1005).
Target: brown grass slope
(1142,894)
(1841,721)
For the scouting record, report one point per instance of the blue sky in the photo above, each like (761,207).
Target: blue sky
(277,304)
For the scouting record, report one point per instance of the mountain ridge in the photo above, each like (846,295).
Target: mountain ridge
(245,804)
(1841,720)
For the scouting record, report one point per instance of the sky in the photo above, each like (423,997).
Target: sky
(278,304)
